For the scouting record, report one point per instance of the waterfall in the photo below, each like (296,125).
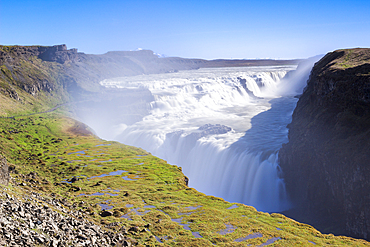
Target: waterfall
(223,126)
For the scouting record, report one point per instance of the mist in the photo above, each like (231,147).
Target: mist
(223,126)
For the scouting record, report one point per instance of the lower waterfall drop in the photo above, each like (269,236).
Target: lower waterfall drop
(223,126)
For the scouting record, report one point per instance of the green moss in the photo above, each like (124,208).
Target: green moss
(346,62)
(38,84)
(45,145)
(7,73)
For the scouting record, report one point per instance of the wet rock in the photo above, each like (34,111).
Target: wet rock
(105,213)
(134,229)
(243,82)
(72,180)
(97,184)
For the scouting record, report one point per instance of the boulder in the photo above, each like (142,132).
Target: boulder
(105,213)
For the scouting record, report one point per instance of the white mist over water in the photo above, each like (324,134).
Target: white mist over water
(223,126)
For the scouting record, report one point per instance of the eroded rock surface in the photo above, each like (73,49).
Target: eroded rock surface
(327,160)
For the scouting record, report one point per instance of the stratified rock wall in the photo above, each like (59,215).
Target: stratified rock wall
(326,163)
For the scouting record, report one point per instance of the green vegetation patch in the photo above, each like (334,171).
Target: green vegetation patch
(31,85)
(345,63)
(114,183)
(351,58)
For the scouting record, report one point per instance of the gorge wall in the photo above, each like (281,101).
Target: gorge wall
(326,162)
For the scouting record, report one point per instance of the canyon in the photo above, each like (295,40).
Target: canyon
(323,164)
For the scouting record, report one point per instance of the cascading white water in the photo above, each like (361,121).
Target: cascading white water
(223,126)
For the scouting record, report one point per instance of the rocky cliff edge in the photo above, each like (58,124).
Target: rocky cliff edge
(326,163)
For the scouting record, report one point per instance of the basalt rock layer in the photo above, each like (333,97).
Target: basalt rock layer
(326,162)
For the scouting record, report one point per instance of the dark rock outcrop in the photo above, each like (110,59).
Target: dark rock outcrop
(57,53)
(4,171)
(326,162)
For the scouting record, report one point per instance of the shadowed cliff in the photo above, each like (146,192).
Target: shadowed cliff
(327,160)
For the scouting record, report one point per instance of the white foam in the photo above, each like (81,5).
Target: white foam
(240,165)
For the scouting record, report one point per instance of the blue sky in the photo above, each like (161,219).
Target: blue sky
(194,29)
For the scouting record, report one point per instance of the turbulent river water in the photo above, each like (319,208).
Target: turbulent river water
(223,126)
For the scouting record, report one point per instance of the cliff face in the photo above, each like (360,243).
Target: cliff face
(58,53)
(32,77)
(326,162)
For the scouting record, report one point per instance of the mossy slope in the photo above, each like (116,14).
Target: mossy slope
(48,152)
(28,84)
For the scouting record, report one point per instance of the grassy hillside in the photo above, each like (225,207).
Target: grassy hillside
(51,153)
(28,84)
